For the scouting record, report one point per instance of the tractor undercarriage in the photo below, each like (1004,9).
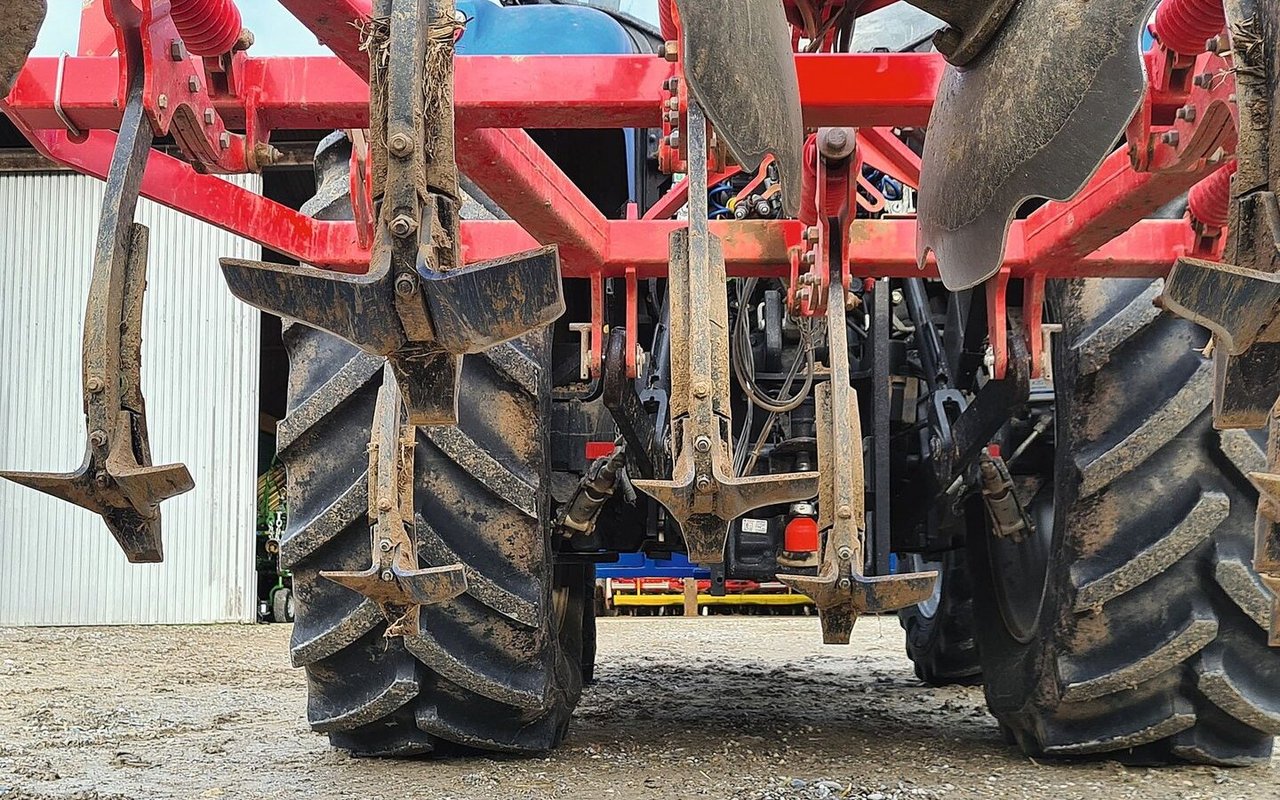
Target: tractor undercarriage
(833,346)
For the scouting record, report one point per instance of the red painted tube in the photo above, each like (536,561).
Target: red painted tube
(1184,26)
(837,189)
(1210,200)
(667,20)
(207,27)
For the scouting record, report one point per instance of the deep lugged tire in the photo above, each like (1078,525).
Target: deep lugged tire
(492,669)
(1150,639)
(939,633)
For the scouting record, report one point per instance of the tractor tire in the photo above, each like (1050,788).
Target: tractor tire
(1131,621)
(939,631)
(494,669)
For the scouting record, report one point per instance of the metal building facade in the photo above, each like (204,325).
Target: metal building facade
(58,564)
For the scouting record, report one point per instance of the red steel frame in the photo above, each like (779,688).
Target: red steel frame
(1095,234)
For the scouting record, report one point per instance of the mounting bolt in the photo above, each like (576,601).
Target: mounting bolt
(1170,138)
(224,140)
(387,575)
(670,85)
(385,545)
(193,84)
(403,225)
(673,141)
(811,234)
(176,50)
(93,384)
(384,504)
(244,42)
(702,444)
(673,104)
(809,257)
(669,50)
(700,389)
(1203,80)
(844,512)
(1216,45)
(947,40)
(406,285)
(163,101)
(101,478)
(845,552)
(400,144)
(98,438)
(845,584)
(208,116)
(1186,112)
(703,484)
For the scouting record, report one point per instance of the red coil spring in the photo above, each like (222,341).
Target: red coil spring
(667,20)
(207,27)
(837,188)
(1210,199)
(1183,26)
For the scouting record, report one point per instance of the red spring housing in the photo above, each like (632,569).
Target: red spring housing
(667,20)
(207,27)
(1184,26)
(801,536)
(837,189)
(1209,201)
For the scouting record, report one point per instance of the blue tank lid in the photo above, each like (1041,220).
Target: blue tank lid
(495,29)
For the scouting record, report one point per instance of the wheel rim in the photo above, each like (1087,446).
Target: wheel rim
(1021,568)
(928,607)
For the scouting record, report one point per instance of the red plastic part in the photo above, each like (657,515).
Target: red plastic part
(208,27)
(597,449)
(1209,200)
(1184,26)
(801,536)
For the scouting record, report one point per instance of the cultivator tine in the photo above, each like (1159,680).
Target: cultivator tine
(418,305)
(116,479)
(394,581)
(840,590)
(741,70)
(1033,115)
(704,495)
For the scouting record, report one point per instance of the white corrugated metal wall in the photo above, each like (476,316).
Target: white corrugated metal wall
(58,563)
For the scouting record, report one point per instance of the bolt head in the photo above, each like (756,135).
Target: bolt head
(224,140)
(176,50)
(403,225)
(845,584)
(193,85)
(387,575)
(101,478)
(93,384)
(406,286)
(98,438)
(704,484)
(1170,138)
(1186,112)
(208,116)
(385,545)
(844,512)
(700,389)
(845,553)
(702,444)
(400,144)
(384,504)
(812,233)
(163,101)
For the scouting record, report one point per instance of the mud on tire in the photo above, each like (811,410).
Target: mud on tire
(496,668)
(1149,643)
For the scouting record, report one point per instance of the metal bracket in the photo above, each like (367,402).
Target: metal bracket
(418,305)
(704,495)
(394,581)
(117,479)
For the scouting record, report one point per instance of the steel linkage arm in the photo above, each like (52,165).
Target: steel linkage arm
(117,479)
(418,305)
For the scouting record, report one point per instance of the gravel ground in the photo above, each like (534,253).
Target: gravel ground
(736,707)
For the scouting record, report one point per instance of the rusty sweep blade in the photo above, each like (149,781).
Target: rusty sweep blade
(1033,116)
(117,479)
(740,68)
